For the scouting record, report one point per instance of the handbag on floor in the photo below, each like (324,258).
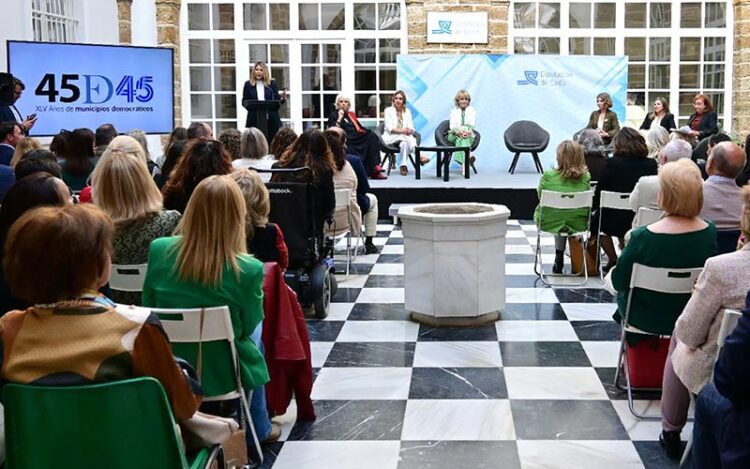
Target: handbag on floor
(576,257)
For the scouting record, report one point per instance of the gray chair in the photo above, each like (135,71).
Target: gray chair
(526,137)
(441,139)
(390,151)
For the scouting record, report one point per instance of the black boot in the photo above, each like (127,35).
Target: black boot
(671,443)
(557,268)
(369,247)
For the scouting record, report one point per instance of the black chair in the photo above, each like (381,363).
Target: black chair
(391,150)
(526,137)
(441,139)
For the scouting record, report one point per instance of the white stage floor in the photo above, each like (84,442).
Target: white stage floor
(486,179)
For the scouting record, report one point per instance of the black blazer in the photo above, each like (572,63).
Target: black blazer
(709,124)
(620,174)
(667,122)
(271,93)
(6,114)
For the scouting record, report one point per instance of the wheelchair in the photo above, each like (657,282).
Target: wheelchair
(310,271)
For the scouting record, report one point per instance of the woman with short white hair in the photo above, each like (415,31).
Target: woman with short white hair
(360,140)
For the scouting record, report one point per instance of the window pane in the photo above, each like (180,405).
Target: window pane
(686,103)
(200,79)
(635,15)
(717,99)
(332,53)
(690,49)
(310,53)
(226,106)
(659,49)
(285,109)
(254,16)
(549,15)
(310,78)
(689,76)
(329,103)
(364,16)
(224,79)
(308,16)
(714,48)
(197,17)
(280,16)
(331,78)
(389,16)
(523,45)
(200,106)
(661,15)
(364,51)
(364,78)
(387,78)
(580,46)
(332,16)
(258,53)
(635,48)
(658,76)
(690,15)
(281,75)
(713,76)
(223,16)
(604,46)
(637,76)
(549,45)
(637,98)
(279,54)
(716,15)
(580,15)
(200,52)
(389,50)
(366,105)
(524,15)
(224,51)
(385,101)
(604,15)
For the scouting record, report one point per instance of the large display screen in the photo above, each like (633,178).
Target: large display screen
(69,86)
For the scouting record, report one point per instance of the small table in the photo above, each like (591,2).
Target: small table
(442,160)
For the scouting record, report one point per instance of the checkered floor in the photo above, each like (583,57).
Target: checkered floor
(533,390)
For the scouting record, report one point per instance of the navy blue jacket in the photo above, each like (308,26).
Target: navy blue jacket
(732,371)
(362,185)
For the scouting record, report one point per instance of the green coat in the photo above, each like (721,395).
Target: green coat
(244,296)
(555,219)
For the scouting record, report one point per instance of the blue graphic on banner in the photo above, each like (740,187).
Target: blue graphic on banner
(556,92)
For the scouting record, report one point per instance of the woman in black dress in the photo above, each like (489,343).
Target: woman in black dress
(262,87)
(659,116)
(359,140)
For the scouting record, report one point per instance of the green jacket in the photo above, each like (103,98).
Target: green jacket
(555,219)
(244,296)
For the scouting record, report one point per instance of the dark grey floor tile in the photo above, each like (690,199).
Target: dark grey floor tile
(543,354)
(459,454)
(395,241)
(458,383)
(353,420)
(383,234)
(607,377)
(324,331)
(270,453)
(391,259)
(456,334)
(524,281)
(354,269)
(346,295)
(653,455)
(533,312)
(584,295)
(566,420)
(371,354)
(379,312)
(597,330)
(385,281)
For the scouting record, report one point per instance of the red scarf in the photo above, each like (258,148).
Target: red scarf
(357,126)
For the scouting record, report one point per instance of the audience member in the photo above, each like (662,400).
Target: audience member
(646,189)
(254,150)
(569,176)
(265,240)
(103,135)
(744,176)
(124,190)
(593,152)
(621,173)
(141,137)
(51,342)
(37,161)
(124,143)
(362,142)
(656,139)
(172,157)
(9,111)
(282,140)
(24,146)
(201,158)
(722,199)
(231,139)
(59,145)
(199,130)
(78,159)
(723,283)
(704,121)
(343,178)
(207,265)
(11,134)
(178,135)
(604,120)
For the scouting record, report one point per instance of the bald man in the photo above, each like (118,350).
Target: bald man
(722,199)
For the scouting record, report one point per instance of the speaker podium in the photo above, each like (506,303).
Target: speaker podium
(261,110)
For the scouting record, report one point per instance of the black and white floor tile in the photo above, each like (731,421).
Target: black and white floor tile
(533,390)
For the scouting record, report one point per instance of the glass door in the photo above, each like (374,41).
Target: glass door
(320,81)
(276,56)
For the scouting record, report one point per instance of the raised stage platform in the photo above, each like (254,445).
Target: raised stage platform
(517,191)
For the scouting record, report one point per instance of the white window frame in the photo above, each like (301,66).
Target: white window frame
(48,13)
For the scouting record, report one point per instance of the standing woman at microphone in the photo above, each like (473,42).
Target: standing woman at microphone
(262,87)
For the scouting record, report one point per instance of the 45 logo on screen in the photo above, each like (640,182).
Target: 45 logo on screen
(97,89)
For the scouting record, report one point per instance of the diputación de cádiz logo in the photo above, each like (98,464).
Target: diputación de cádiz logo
(445,27)
(530,78)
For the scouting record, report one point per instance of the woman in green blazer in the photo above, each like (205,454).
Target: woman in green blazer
(604,120)
(570,175)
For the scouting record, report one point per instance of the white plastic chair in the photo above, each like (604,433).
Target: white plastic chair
(612,201)
(128,277)
(662,280)
(184,326)
(563,200)
(646,216)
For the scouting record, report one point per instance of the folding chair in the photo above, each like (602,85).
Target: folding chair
(339,232)
(202,325)
(564,201)
(646,216)
(614,201)
(663,280)
(128,278)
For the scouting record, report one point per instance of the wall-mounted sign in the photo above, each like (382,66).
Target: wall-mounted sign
(454,27)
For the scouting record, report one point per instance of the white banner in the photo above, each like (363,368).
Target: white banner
(451,27)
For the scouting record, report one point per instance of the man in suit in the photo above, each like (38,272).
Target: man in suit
(722,199)
(9,112)
(10,134)
(645,190)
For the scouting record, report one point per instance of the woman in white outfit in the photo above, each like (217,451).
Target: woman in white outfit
(399,128)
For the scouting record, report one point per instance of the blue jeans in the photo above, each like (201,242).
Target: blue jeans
(721,432)
(258,406)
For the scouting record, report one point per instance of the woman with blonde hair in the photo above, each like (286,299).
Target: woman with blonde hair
(399,129)
(261,87)
(124,189)
(604,120)
(463,119)
(570,175)
(264,240)
(656,139)
(660,116)
(121,143)
(206,264)
(24,146)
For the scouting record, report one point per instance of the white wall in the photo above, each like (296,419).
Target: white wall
(15,23)
(99,23)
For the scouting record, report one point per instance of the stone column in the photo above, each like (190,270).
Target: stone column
(168,35)
(741,70)
(124,20)
(416,14)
